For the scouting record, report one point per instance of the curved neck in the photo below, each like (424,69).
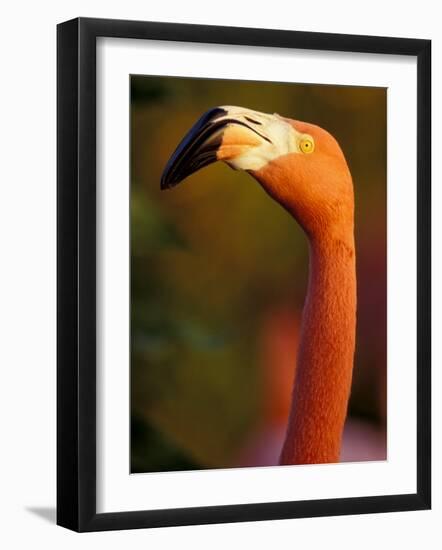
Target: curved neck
(325,356)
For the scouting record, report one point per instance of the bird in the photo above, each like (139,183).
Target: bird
(302,167)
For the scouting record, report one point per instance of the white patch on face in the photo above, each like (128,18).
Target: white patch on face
(284,138)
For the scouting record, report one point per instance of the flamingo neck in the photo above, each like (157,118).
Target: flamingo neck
(325,357)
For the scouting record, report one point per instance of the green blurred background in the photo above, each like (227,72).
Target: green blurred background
(218,278)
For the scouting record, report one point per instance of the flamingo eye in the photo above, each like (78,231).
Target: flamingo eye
(307,145)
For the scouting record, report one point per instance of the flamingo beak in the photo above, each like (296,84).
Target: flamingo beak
(222,133)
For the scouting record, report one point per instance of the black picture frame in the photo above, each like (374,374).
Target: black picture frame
(76,274)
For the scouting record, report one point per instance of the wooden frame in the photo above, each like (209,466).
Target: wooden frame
(76,388)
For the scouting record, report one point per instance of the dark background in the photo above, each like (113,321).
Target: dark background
(218,278)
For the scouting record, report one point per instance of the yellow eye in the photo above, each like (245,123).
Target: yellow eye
(307,145)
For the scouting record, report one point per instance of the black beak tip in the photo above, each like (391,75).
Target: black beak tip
(168,180)
(191,154)
(164,184)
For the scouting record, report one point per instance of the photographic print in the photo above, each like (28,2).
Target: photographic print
(258,294)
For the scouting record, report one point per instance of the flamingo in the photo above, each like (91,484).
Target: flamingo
(302,167)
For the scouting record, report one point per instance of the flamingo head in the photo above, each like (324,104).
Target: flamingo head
(300,165)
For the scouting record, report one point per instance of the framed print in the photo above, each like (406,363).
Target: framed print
(246,344)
